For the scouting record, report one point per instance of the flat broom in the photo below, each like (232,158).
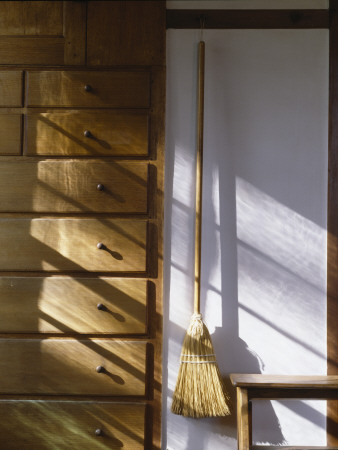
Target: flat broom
(199,390)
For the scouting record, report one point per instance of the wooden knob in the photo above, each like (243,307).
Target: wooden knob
(99,369)
(100,306)
(100,187)
(88,88)
(87,133)
(100,245)
(98,432)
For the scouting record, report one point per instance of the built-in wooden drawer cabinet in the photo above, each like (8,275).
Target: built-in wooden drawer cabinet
(73,305)
(73,367)
(10,134)
(87,133)
(81,163)
(46,425)
(115,89)
(11,88)
(73,186)
(68,244)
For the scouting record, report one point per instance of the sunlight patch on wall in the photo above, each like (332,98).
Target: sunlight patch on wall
(282,297)
(282,260)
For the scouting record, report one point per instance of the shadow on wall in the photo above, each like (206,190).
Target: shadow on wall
(221,253)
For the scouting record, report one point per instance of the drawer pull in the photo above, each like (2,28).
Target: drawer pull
(87,134)
(100,187)
(100,369)
(100,246)
(101,307)
(98,432)
(88,88)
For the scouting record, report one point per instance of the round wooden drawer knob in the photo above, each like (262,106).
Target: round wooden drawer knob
(101,307)
(100,187)
(88,88)
(87,133)
(100,245)
(98,432)
(99,369)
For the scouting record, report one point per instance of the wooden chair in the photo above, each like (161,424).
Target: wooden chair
(258,386)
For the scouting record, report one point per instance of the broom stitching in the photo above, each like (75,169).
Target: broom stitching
(196,356)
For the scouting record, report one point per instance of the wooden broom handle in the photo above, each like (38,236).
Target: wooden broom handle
(199,175)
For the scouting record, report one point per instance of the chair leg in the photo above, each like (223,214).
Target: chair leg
(244,426)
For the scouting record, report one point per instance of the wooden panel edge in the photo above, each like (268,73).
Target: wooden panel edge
(156,214)
(248,19)
(332,226)
(74,16)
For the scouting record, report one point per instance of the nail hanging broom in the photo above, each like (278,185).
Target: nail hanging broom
(199,390)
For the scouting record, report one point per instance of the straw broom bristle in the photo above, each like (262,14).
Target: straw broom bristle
(199,389)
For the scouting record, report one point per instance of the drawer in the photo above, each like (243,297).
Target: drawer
(118,89)
(10,134)
(72,186)
(70,305)
(46,425)
(62,133)
(11,88)
(71,245)
(70,367)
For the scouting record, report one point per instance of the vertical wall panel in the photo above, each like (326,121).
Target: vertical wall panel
(264,223)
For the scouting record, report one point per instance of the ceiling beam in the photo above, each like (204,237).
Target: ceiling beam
(247,19)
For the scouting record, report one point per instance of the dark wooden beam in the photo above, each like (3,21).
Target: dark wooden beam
(251,19)
(332,226)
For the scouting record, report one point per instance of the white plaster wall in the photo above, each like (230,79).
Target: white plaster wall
(264,221)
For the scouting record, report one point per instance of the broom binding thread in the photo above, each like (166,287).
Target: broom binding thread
(196,325)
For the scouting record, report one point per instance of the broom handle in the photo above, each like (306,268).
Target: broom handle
(199,175)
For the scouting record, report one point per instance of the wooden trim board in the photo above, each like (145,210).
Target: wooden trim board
(332,226)
(250,19)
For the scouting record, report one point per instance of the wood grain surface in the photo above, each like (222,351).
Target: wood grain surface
(10,134)
(134,29)
(49,32)
(67,305)
(47,425)
(58,245)
(61,133)
(31,18)
(69,366)
(287,381)
(244,413)
(115,89)
(11,87)
(71,186)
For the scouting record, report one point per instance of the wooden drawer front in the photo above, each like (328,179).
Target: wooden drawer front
(71,245)
(111,133)
(107,89)
(72,186)
(46,425)
(10,134)
(11,88)
(70,305)
(65,366)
